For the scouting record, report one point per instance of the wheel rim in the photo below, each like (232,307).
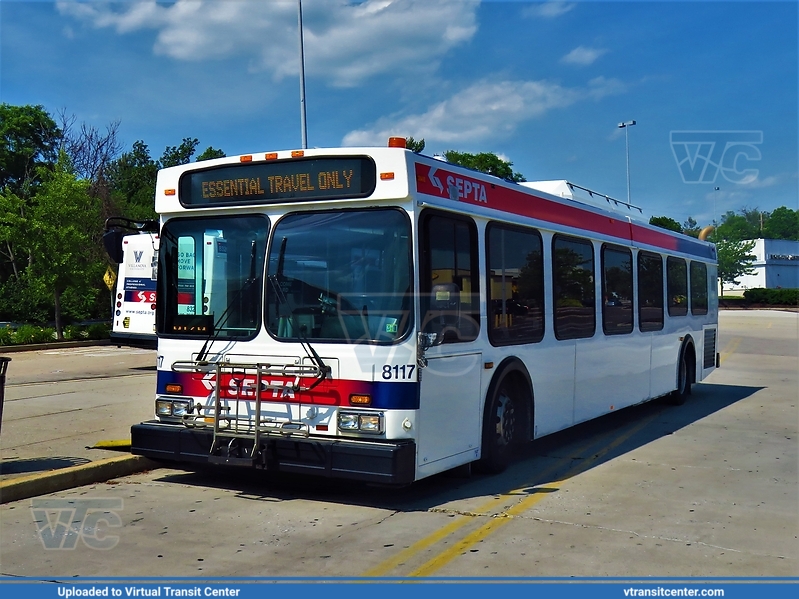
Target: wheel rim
(506,419)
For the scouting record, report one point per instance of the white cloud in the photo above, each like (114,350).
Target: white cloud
(548,10)
(345,42)
(583,56)
(483,111)
(754,182)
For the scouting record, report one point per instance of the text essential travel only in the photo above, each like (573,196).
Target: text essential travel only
(301,182)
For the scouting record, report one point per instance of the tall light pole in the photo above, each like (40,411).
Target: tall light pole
(303,126)
(626,125)
(715,199)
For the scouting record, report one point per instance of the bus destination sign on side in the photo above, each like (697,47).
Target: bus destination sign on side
(279,181)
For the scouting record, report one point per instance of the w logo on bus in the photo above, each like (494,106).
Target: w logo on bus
(701,155)
(137,256)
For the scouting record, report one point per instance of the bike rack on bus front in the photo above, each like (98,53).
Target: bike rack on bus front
(238,426)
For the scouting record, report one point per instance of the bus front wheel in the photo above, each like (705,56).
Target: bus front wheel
(499,430)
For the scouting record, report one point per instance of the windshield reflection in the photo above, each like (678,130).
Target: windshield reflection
(340,276)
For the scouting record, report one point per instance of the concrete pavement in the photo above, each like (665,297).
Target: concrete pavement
(63,405)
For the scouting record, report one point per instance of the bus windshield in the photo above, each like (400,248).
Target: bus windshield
(340,276)
(210,276)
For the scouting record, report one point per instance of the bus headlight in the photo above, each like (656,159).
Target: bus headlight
(360,422)
(172,407)
(347,422)
(370,423)
(180,408)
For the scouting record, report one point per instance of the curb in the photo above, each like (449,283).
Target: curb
(10,349)
(98,471)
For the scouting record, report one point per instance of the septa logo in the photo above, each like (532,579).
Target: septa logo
(442,183)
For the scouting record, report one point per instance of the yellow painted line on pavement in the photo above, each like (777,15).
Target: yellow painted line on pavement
(481,533)
(729,349)
(403,556)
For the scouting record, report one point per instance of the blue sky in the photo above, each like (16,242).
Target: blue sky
(712,85)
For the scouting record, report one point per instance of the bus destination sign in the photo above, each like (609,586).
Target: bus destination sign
(322,178)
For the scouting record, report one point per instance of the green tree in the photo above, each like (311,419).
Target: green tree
(735,260)
(737,227)
(210,153)
(691,227)
(133,175)
(485,162)
(664,222)
(177,155)
(28,141)
(783,223)
(61,233)
(29,138)
(414,145)
(132,180)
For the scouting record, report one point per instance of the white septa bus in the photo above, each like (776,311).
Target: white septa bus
(380,315)
(133,321)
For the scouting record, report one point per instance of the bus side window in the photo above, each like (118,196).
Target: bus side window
(650,292)
(617,290)
(573,287)
(450,293)
(515,283)
(698,288)
(677,285)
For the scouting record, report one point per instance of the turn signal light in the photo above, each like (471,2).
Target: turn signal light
(174,388)
(360,400)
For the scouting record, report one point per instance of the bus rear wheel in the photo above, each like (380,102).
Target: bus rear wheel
(499,430)
(678,396)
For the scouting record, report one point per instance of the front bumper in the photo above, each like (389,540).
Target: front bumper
(390,462)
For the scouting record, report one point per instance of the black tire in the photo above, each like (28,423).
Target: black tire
(678,396)
(499,430)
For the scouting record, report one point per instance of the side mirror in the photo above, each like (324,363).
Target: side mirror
(427,340)
(112,242)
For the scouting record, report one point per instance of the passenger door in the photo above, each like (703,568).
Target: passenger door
(450,418)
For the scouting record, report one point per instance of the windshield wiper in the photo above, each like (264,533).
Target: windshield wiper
(288,312)
(223,318)
(324,369)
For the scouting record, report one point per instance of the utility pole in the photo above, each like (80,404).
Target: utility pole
(626,125)
(303,126)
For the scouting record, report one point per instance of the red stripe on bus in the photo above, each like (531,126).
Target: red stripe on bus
(442,183)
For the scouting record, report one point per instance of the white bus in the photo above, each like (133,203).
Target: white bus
(133,320)
(379,315)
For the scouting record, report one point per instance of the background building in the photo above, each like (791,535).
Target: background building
(776,265)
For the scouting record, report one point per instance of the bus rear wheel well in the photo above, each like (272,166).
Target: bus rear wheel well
(689,351)
(686,372)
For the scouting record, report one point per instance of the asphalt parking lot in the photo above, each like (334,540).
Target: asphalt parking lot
(708,489)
